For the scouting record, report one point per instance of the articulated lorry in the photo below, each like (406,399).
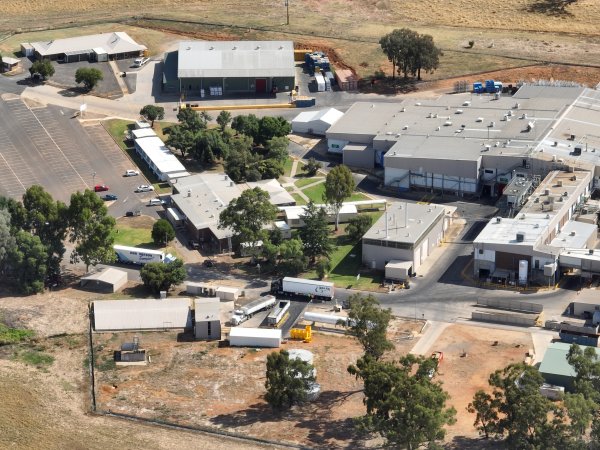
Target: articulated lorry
(278,313)
(140,256)
(322,290)
(247,311)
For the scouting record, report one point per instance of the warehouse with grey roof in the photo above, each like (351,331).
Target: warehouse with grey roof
(214,68)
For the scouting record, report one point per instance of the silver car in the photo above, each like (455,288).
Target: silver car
(144,188)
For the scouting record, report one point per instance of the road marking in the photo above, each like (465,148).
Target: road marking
(13,172)
(59,149)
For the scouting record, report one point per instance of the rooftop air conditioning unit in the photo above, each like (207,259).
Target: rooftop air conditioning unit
(447,123)
(479,119)
(459,111)
(574,178)
(466,103)
(537,225)
(498,219)
(520,237)
(559,183)
(572,233)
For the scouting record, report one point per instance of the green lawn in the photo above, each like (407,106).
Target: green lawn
(306,181)
(133,237)
(346,263)
(287,167)
(315,193)
(299,200)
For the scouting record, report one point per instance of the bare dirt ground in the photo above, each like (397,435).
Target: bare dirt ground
(462,376)
(198,383)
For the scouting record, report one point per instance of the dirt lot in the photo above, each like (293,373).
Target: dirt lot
(462,376)
(45,406)
(198,383)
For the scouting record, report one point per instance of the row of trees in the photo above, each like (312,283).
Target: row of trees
(33,233)
(517,413)
(410,52)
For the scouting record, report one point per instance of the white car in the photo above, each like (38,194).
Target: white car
(131,173)
(156,202)
(144,188)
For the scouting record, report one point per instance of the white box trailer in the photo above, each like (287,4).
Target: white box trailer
(227,293)
(301,287)
(255,337)
(136,255)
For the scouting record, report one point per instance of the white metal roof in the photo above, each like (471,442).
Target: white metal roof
(160,155)
(397,264)
(10,61)
(574,235)
(297,212)
(142,132)
(277,193)
(111,43)
(207,309)
(405,222)
(231,290)
(329,116)
(255,332)
(204,59)
(141,314)
(107,275)
(532,226)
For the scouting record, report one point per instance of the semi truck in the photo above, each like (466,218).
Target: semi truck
(247,311)
(278,313)
(322,290)
(140,256)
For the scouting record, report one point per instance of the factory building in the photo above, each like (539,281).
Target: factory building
(215,68)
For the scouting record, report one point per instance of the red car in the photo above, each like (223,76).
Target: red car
(100,188)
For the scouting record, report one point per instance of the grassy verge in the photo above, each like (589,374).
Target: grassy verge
(10,335)
(35,358)
(299,200)
(287,167)
(306,181)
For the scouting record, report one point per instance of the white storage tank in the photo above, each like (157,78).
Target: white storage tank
(523,270)
(331,319)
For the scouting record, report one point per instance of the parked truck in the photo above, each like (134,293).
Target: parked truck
(247,311)
(322,290)
(278,313)
(330,319)
(140,256)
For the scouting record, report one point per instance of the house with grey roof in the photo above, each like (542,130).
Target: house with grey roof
(203,68)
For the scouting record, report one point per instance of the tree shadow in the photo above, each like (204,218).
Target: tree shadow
(465,443)
(550,7)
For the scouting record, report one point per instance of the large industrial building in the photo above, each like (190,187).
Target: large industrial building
(406,232)
(94,47)
(216,68)
(515,250)
(472,143)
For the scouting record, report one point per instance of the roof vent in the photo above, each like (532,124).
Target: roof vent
(466,103)
(547,216)
(405,127)
(447,123)
(479,119)
(404,109)
(210,48)
(536,225)
(437,129)
(188,48)
(429,116)
(458,111)
(572,233)
(234,47)
(523,216)
(591,251)
(257,47)
(498,219)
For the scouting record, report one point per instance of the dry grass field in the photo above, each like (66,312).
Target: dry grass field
(513,33)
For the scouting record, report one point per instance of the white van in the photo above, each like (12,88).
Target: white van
(139,62)
(156,202)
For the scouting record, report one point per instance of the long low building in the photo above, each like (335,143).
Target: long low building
(94,47)
(141,314)
(156,154)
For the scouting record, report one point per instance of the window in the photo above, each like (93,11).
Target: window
(209,328)
(490,171)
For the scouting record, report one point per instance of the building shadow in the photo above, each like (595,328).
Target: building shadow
(453,275)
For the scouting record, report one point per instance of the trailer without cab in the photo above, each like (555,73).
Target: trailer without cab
(330,319)
(278,313)
(135,255)
(255,337)
(247,311)
(307,288)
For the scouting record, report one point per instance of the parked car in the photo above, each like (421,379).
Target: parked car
(139,62)
(156,202)
(100,188)
(131,173)
(144,188)
(133,213)
(194,245)
(110,197)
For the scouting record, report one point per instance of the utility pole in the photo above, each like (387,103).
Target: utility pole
(287,12)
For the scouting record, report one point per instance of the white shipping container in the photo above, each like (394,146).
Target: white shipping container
(254,337)
(320,82)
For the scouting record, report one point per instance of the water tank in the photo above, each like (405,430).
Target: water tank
(523,269)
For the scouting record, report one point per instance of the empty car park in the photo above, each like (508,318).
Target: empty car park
(45,146)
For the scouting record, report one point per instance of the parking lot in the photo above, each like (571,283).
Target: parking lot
(46,146)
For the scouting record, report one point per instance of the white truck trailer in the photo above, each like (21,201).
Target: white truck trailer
(322,290)
(135,255)
(247,311)
(278,313)
(255,337)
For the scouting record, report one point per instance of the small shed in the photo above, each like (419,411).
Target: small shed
(141,314)
(9,64)
(398,270)
(206,315)
(227,293)
(106,280)
(316,122)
